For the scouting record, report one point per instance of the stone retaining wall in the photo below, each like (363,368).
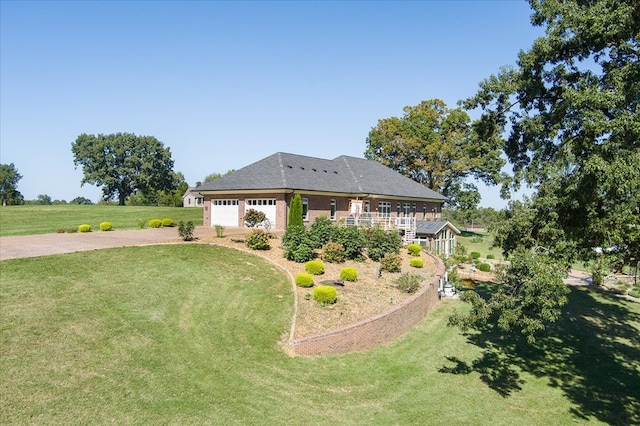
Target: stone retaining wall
(376,330)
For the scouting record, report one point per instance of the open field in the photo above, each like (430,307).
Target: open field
(188,334)
(480,242)
(29,220)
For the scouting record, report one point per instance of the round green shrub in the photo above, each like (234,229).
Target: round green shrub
(416,262)
(84,228)
(414,249)
(475,254)
(304,279)
(257,239)
(106,226)
(333,252)
(491,256)
(167,222)
(484,267)
(391,262)
(349,274)
(314,267)
(155,223)
(325,295)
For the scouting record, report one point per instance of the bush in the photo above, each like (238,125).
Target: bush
(475,255)
(304,279)
(321,231)
(168,222)
(325,295)
(106,226)
(298,246)
(141,224)
(349,274)
(254,217)
(257,239)
(414,249)
(484,267)
(333,253)
(352,241)
(155,223)
(391,262)
(84,228)
(491,256)
(416,262)
(408,283)
(380,242)
(314,267)
(185,230)
(219,231)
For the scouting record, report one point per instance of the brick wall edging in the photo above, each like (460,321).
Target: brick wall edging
(377,330)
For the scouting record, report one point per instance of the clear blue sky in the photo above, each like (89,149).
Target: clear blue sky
(224,84)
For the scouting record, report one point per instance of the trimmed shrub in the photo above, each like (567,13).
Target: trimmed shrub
(314,267)
(325,295)
(475,254)
(380,242)
(391,262)
(304,279)
(295,212)
(185,230)
(321,231)
(254,217)
(416,262)
(491,256)
(352,241)
(484,267)
(297,245)
(414,249)
(155,223)
(349,274)
(333,253)
(257,239)
(408,283)
(84,228)
(106,226)
(167,222)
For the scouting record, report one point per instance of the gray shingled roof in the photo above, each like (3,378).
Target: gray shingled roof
(344,174)
(432,227)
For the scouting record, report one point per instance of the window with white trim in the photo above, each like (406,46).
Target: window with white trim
(334,206)
(384,208)
(305,209)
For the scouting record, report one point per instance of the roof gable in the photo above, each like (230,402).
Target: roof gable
(432,227)
(344,174)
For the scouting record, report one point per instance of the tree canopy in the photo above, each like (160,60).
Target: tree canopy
(571,111)
(123,164)
(9,178)
(437,147)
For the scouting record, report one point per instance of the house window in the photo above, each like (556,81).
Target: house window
(398,208)
(414,209)
(406,209)
(305,209)
(333,209)
(367,206)
(385,208)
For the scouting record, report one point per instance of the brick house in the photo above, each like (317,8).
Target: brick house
(346,188)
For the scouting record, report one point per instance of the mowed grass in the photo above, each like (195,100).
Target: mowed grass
(28,220)
(480,242)
(189,334)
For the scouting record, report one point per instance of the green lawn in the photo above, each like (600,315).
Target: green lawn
(189,334)
(27,220)
(480,242)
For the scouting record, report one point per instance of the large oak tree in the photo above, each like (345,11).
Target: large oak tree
(437,147)
(571,108)
(123,164)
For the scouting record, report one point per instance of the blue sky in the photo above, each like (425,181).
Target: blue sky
(224,84)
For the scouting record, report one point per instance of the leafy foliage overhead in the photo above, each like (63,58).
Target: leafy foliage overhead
(123,163)
(437,147)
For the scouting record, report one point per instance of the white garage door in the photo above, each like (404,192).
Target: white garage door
(224,212)
(266,206)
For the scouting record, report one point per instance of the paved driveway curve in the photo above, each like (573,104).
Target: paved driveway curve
(47,244)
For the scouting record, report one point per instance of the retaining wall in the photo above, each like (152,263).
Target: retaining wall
(376,330)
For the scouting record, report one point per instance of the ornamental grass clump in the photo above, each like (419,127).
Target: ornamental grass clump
(84,228)
(349,274)
(106,226)
(314,267)
(414,249)
(416,262)
(325,295)
(304,279)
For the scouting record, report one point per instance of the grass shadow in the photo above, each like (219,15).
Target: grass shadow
(591,353)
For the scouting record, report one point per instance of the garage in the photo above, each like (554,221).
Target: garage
(224,212)
(264,205)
